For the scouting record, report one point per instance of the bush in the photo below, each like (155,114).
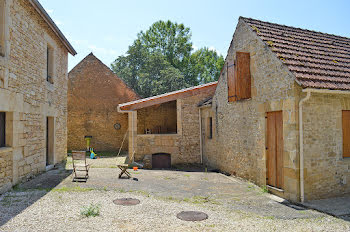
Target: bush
(90,211)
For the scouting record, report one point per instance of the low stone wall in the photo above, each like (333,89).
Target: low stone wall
(151,144)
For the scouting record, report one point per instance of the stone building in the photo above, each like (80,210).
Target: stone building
(94,93)
(33,91)
(165,130)
(280,115)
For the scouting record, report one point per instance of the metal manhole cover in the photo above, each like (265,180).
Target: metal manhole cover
(192,216)
(126,201)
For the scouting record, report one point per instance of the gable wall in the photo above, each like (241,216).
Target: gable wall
(240,126)
(94,93)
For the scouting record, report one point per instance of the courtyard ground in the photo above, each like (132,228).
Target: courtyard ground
(52,202)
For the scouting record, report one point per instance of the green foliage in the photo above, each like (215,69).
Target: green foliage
(204,66)
(160,61)
(91,210)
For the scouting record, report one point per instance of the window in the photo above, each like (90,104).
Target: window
(210,128)
(238,78)
(346,133)
(2,27)
(49,65)
(2,129)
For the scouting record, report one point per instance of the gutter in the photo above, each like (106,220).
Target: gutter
(301,145)
(308,92)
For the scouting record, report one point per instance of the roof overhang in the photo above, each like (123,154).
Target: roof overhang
(159,99)
(40,9)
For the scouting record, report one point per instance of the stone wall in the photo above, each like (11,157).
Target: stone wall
(26,97)
(184,147)
(157,117)
(327,173)
(94,93)
(240,127)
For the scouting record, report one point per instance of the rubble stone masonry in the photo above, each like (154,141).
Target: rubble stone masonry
(94,93)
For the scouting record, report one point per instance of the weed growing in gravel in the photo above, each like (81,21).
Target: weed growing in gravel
(72,189)
(91,210)
(121,190)
(264,189)
(9,200)
(145,193)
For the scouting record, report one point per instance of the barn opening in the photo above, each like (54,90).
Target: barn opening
(158,119)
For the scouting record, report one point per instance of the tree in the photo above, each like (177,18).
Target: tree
(160,61)
(159,76)
(170,39)
(204,66)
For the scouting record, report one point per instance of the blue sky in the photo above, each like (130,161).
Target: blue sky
(108,27)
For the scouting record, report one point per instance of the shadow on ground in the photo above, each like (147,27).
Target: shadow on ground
(26,194)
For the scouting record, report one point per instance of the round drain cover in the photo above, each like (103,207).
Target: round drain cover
(126,201)
(192,216)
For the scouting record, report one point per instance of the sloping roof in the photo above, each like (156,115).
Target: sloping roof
(142,103)
(206,102)
(317,60)
(92,84)
(40,9)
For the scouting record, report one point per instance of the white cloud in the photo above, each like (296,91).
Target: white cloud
(58,23)
(49,11)
(212,48)
(194,47)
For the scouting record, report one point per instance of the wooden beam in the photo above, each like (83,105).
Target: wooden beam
(142,103)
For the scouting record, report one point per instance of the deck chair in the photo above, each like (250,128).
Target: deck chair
(80,165)
(123,164)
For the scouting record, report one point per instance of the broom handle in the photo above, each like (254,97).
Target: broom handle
(122,143)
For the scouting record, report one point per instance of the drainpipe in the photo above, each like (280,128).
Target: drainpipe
(301,145)
(200,135)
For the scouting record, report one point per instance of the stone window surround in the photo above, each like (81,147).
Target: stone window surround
(50,43)
(8,132)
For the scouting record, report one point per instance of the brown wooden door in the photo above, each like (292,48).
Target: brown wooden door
(274,149)
(161,161)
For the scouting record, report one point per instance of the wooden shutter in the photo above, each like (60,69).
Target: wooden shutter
(346,133)
(231,82)
(2,129)
(243,79)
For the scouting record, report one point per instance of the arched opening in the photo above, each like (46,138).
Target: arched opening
(161,161)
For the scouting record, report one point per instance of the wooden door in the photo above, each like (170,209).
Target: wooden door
(274,149)
(161,161)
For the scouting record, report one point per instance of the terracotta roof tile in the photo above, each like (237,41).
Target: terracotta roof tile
(317,60)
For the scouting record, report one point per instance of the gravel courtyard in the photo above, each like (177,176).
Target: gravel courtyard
(52,202)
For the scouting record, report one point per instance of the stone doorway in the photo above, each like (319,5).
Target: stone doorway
(50,128)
